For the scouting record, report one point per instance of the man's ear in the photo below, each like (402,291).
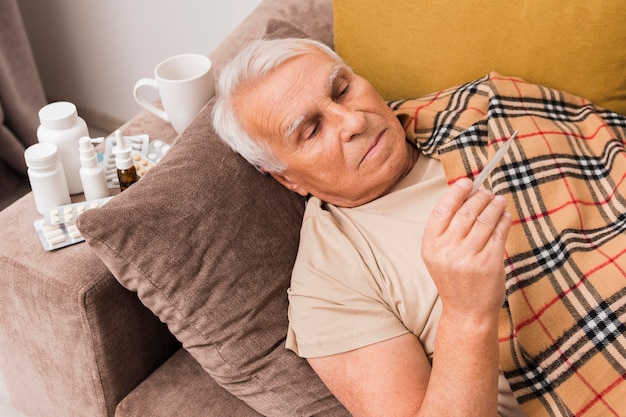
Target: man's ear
(292,186)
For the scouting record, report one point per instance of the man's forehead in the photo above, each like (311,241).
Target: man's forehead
(291,127)
(281,94)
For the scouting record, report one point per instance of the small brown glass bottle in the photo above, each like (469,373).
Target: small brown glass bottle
(126,172)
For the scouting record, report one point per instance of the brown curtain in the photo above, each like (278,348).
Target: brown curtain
(21,97)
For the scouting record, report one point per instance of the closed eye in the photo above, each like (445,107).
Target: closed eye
(343,91)
(315,130)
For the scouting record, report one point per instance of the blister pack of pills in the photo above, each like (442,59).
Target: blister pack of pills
(157,150)
(68,213)
(55,236)
(57,228)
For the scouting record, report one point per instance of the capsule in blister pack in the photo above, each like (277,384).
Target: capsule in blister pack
(57,228)
(68,213)
(56,236)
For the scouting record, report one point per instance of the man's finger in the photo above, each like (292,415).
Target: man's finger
(486,221)
(441,216)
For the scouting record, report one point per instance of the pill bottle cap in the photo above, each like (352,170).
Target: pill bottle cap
(41,155)
(122,150)
(58,115)
(88,156)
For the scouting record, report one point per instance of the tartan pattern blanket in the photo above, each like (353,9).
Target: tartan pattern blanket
(562,328)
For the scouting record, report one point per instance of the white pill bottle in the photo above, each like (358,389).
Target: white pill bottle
(46,176)
(61,126)
(91,172)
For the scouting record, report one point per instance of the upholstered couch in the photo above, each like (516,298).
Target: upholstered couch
(74,342)
(176,304)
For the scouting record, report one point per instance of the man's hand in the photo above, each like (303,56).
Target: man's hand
(463,249)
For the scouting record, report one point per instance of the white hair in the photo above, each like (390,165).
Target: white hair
(250,65)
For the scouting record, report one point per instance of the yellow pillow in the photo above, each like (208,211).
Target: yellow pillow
(408,48)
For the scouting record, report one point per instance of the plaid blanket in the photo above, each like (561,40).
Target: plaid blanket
(562,328)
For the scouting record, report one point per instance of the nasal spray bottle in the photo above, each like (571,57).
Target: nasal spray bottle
(126,172)
(91,172)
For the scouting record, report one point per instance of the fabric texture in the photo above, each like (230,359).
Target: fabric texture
(562,332)
(180,387)
(208,244)
(21,97)
(411,48)
(73,341)
(277,29)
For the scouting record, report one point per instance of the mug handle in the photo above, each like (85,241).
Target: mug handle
(152,83)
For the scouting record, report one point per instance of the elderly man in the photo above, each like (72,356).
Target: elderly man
(398,287)
(326,132)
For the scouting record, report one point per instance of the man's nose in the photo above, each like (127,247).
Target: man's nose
(350,122)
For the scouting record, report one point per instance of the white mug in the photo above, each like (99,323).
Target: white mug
(184,83)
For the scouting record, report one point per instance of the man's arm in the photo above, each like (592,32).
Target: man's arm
(463,249)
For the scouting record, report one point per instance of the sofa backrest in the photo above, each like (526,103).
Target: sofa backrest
(409,48)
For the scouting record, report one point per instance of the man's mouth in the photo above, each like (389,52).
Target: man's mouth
(372,149)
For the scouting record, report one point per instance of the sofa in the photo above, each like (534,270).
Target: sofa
(176,304)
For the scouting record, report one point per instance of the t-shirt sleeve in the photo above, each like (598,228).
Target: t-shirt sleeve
(335,303)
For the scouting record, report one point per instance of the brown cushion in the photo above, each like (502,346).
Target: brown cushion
(208,244)
(278,29)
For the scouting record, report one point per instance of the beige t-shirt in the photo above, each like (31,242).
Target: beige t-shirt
(359,278)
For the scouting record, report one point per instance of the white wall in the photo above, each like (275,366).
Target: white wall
(91,52)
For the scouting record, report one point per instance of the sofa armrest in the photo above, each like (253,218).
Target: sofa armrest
(72,340)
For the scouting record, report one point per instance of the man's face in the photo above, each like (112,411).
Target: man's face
(337,136)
